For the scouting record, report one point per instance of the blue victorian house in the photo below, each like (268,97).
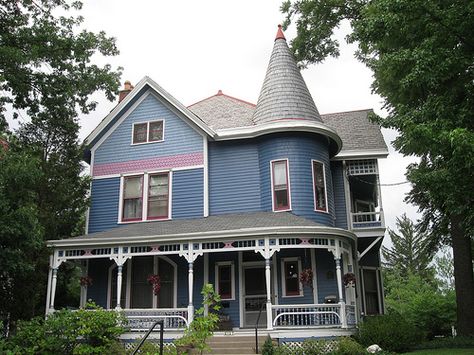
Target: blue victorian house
(276,205)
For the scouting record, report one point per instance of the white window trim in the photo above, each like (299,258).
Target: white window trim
(289,184)
(145,196)
(232,275)
(283,280)
(325,186)
(148,132)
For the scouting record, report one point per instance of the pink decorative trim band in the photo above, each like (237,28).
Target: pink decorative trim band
(169,162)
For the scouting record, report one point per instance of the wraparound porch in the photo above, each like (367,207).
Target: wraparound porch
(279,311)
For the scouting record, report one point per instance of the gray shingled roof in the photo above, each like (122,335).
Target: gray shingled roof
(223,111)
(227,222)
(356,130)
(284,92)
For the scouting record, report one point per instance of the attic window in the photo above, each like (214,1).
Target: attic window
(148,132)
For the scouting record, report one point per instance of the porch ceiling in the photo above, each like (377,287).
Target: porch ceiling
(212,227)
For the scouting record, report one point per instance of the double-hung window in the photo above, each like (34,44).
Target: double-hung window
(145,197)
(225,280)
(148,132)
(158,196)
(291,269)
(132,198)
(319,185)
(281,186)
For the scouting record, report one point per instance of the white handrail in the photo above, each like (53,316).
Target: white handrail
(305,313)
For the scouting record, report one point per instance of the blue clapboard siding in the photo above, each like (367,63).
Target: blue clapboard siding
(339,194)
(325,266)
(188,193)
(179,137)
(305,257)
(105,195)
(234,181)
(299,150)
(233,305)
(99,272)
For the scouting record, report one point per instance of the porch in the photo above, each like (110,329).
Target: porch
(257,274)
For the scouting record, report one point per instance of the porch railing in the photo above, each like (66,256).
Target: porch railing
(351,316)
(367,219)
(142,319)
(312,315)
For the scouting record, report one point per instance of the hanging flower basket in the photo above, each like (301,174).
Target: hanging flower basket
(349,279)
(306,277)
(85,281)
(155,281)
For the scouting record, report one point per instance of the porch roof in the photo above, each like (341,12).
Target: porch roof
(220,226)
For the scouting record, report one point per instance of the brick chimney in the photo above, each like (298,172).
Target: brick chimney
(127,87)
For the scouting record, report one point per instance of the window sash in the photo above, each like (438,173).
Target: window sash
(281,196)
(225,281)
(132,198)
(319,179)
(292,283)
(140,133)
(158,196)
(155,131)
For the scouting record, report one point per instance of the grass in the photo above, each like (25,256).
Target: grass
(443,352)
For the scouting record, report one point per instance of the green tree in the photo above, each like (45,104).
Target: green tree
(21,234)
(411,252)
(46,71)
(421,54)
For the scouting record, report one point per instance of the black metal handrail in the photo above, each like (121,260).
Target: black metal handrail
(256,327)
(161,323)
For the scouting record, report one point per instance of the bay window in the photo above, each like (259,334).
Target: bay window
(280,185)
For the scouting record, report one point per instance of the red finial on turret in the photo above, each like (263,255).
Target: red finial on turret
(280,34)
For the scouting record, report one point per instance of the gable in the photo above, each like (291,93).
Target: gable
(182,144)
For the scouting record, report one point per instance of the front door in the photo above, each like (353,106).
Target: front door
(254,294)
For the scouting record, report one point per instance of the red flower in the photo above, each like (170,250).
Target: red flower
(85,280)
(155,281)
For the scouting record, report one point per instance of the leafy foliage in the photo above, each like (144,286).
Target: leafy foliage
(92,330)
(391,332)
(411,253)
(203,326)
(421,303)
(46,76)
(268,347)
(421,54)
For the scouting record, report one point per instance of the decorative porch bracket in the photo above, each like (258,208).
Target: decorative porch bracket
(369,247)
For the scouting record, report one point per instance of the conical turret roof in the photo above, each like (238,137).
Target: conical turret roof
(284,93)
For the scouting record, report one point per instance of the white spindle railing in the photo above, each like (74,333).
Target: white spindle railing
(367,219)
(306,315)
(142,319)
(351,315)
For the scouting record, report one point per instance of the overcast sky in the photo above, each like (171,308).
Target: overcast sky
(194,48)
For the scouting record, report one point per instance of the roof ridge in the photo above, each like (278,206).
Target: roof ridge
(220,93)
(348,111)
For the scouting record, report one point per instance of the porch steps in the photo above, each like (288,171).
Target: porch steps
(235,345)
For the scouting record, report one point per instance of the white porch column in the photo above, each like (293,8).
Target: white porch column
(342,304)
(54,279)
(269,294)
(84,269)
(119,286)
(190,292)
(48,289)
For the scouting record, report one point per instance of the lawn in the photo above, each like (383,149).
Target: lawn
(443,352)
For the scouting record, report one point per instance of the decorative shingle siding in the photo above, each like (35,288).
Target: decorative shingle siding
(299,150)
(234,182)
(325,266)
(305,257)
(339,194)
(105,195)
(232,306)
(188,195)
(179,137)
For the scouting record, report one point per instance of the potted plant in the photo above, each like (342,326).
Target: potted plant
(85,281)
(349,279)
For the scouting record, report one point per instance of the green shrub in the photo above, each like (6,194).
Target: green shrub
(268,347)
(348,346)
(391,332)
(86,331)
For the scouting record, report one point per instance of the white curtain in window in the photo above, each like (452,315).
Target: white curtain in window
(279,174)
(133,187)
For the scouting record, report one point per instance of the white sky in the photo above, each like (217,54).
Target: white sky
(194,48)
